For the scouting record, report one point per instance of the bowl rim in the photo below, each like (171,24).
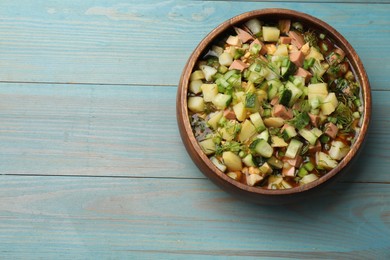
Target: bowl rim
(203,162)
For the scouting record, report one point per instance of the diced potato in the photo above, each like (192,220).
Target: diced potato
(197,74)
(270,34)
(195,86)
(281,50)
(277,141)
(325,161)
(230,130)
(274,121)
(247,131)
(308,178)
(317,90)
(338,150)
(234,175)
(208,146)
(314,53)
(214,119)
(329,104)
(225,59)
(232,161)
(234,40)
(253,179)
(196,104)
(240,96)
(209,91)
(240,111)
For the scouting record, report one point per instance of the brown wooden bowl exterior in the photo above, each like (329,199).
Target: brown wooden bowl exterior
(257,194)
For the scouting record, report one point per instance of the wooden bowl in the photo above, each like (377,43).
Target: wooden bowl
(257,194)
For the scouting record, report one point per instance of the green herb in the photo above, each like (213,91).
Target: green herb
(344,117)
(250,100)
(300,121)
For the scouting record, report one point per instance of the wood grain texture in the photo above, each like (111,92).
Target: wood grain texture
(149,42)
(117,218)
(124,131)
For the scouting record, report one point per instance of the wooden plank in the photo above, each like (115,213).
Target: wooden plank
(149,42)
(124,131)
(46,217)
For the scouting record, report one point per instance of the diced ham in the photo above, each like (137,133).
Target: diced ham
(263,49)
(282,111)
(337,56)
(243,35)
(274,101)
(304,74)
(315,148)
(331,130)
(285,40)
(314,119)
(288,172)
(229,114)
(298,58)
(296,39)
(284,25)
(238,65)
(296,162)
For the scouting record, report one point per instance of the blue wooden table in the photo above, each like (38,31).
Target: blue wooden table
(91,162)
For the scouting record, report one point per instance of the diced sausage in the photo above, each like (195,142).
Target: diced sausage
(315,148)
(337,56)
(314,119)
(263,49)
(285,40)
(243,35)
(284,25)
(331,130)
(304,74)
(274,101)
(296,39)
(296,162)
(288,172)
(238,65)
(229,114)
(297,57)
(282,111)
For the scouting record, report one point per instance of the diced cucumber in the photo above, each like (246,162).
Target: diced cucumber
(317,132)
(325,161)
(296,92)
(265,169)
(275,162)
(261,147)
(309,166)
(253,25)
(247,131)
(208,72)
(273,88)
(293,148)
(308,178)
(338,150)
(288,70)
(285,97)
(196,104)
(257,121)
(289,132)
(209,91)
(308,135)
(263,135)
(248,160)
(221,101)
(252,102)
(232,161)
(208,146)
(302,172)
(218,164)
